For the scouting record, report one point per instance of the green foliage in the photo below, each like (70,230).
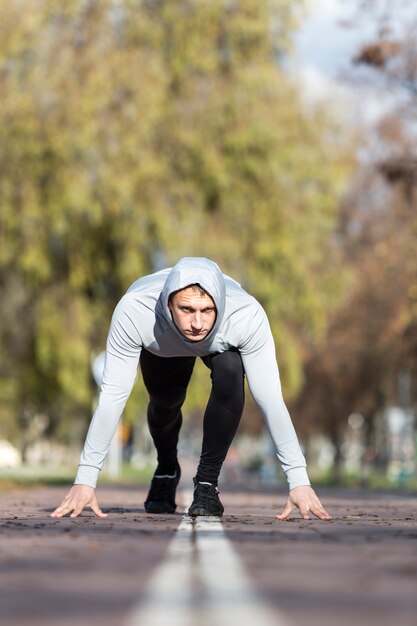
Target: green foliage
(137,131)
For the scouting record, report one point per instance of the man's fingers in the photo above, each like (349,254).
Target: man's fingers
(307,505)
(78,497)
(288,508)
(77,510)
(318,510)
(66,507)
(96,509)
(321,513)
(61,510)
(93,504)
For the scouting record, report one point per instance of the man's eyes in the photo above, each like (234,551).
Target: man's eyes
(187,309)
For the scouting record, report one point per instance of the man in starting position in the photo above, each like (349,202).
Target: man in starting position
(164,322)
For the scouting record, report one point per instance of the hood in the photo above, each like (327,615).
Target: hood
(196,271)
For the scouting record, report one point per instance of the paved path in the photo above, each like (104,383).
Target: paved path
(360,569)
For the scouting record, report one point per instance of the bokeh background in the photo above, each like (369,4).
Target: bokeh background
(276,137)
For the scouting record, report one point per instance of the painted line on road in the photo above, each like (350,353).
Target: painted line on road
(202,581)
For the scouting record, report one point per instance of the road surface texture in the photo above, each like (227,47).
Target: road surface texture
(135,569)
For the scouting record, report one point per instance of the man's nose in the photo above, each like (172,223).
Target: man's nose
(197,323)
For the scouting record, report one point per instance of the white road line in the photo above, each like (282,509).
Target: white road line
(202,581)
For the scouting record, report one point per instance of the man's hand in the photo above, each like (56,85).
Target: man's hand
(305,499)
(78,497)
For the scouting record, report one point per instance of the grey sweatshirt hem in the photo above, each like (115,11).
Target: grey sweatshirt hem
(87,475)
(297,477)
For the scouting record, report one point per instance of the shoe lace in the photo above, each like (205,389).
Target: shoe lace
(205,493)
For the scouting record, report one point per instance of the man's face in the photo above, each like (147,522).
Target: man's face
(194,313)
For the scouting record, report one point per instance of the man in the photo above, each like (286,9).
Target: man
(164,322)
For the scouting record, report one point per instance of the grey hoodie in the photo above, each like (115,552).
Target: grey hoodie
(142,319)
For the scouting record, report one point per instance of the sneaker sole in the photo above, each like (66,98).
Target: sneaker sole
(158,508)
(203,512)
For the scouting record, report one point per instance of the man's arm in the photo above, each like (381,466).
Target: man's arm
(122,357)
(261,368)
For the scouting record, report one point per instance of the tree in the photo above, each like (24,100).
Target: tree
(133,133)
(371,339)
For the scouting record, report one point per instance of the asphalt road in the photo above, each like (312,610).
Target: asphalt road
(360,568)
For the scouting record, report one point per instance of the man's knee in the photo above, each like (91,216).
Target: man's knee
(166,404)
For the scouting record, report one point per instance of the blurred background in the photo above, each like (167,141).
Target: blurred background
(276,137)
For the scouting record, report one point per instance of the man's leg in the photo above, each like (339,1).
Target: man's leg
(166,380)
(221,420)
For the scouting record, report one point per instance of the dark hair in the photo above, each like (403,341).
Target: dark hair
(194,286)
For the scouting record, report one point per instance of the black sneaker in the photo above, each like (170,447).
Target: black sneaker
(206,501)
(161,496)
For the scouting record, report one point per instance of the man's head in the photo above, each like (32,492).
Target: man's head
(193,311)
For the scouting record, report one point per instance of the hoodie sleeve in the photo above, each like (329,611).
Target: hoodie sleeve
(258,355)
(122,358)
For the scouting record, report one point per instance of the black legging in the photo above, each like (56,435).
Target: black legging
(166,380)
